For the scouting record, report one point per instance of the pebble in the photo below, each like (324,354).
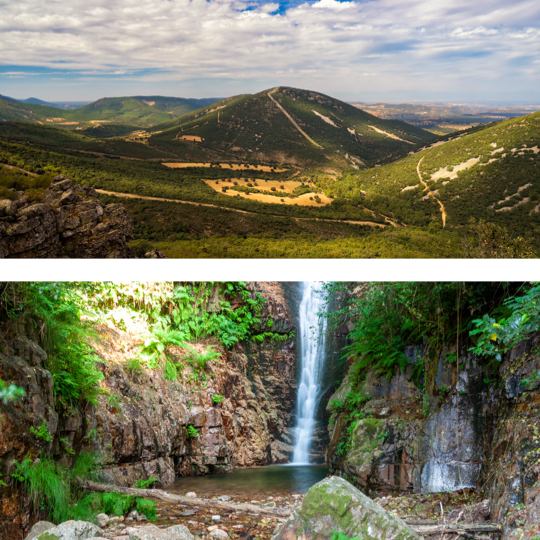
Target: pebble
(193,522)
(187,513)
(219,535)
(217,519)
(224,498)
(213,528)
(191,494)
(238,527)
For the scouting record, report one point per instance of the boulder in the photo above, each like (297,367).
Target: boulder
(102,520)
(151,532)
(336,505)
(72,530)
(39,528)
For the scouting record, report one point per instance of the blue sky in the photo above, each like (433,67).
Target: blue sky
(374,50)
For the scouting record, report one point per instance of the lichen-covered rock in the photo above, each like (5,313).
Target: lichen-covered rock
(336,505)
(102,520)
(69,222)
(39,528)
(72,530)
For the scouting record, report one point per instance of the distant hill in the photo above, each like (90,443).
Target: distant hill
(288,125)
(6,98)
(491,173)
(140,111)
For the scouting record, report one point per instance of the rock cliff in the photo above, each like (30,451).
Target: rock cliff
(467,431)
(140,426)
(69,222)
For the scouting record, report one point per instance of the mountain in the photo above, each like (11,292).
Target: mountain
(139,111)
(36,101)
(6,98)
(288,125)
(491,173)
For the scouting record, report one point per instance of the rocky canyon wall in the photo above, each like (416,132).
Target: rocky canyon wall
(140,428)
(467,430)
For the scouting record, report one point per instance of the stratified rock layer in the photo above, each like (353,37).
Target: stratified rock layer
(69,222)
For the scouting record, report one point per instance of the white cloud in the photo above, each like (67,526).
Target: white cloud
(327,45)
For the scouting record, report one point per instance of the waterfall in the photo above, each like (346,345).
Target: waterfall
(312,339)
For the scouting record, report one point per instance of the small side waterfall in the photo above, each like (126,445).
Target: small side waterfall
(312,338)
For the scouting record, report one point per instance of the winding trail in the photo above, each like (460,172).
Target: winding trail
(145,198)
(431,194)
(293,122)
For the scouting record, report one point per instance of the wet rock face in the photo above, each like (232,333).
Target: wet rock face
(512,460)
(412,442)
(69,222)
(336,505)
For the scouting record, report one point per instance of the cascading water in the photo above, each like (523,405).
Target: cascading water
(312,337)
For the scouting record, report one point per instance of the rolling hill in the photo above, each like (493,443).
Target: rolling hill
(288,125)
(138,111)
(290,172)
(492,173)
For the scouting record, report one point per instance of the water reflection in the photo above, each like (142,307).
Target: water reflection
(271,480)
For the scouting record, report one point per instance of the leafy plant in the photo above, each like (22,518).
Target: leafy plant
(192,431)
(42,433)
(144,484)
(11,392)
(217,398)
(495,337)
(148,508)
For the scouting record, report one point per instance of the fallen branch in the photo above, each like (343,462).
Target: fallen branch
(161,495)
(426,528)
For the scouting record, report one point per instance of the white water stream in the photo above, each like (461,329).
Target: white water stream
(312,338)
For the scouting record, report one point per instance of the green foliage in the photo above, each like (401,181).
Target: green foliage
(12,181)
(199,360)
(55,311)
(532,380)
(154,348)
(341,536)
(495,337)
(192,431)
(41,433)
(11,392)
(116,503)
(148,508)
(145,484)
(491,241)
(217,398)
(336,404)
(52,487)
(134,366)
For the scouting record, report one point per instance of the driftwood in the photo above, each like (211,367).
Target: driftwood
(426,528)
(188,501)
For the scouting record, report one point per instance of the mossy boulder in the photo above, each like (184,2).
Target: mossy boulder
(336,505)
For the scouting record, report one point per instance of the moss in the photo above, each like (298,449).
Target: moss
(324,499)
(48,536)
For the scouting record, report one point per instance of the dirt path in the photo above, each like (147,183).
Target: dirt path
(143,197)
(431,194)
(293,122)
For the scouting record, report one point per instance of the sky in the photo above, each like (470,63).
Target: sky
(464,51)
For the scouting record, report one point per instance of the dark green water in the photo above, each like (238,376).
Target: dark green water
(271,480)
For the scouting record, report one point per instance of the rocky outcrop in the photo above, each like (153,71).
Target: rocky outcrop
(335,505)
(69,222)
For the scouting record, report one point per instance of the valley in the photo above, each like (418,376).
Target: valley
(294,156)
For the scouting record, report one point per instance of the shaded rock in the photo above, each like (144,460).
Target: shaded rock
(39,528)
(154,254)
(336,505)
(73,530)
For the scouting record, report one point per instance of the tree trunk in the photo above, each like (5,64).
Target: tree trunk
(188,501)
